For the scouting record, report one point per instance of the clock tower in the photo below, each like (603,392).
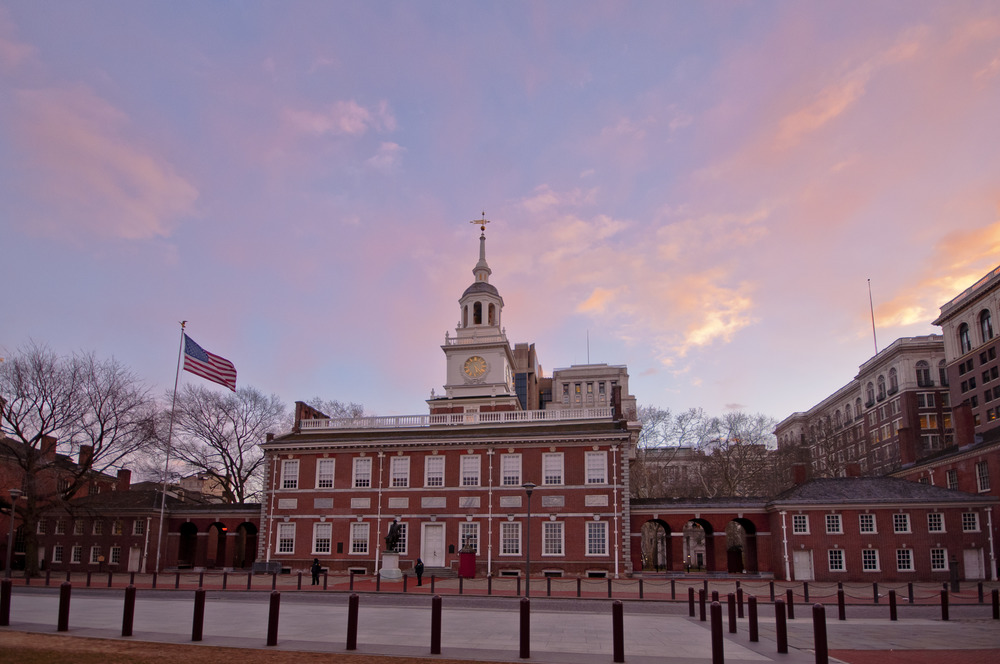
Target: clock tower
(479,357)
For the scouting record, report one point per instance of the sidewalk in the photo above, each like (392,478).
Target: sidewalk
(486,629)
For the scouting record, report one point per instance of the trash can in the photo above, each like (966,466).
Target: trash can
(467,563)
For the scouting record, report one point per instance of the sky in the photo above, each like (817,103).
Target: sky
(699,191)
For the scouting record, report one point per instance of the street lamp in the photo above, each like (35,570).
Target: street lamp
(14,495)
(528,488)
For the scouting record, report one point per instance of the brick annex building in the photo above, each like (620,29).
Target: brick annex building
(453,479)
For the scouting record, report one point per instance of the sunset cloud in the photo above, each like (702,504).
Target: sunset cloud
(342,118)
(90,173)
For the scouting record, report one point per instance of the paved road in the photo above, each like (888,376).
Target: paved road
(487,629)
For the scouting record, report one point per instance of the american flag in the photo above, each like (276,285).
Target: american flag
(200,362)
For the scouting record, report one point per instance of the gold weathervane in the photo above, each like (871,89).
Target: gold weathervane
(482,222)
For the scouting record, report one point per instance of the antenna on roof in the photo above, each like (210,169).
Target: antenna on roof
(872,307)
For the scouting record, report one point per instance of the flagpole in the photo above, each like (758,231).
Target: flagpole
(170,435)
(871,305)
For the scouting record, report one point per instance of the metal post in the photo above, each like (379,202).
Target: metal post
(198,623)
(5,592)
(875,591)
(525,628)
(673,590)
(609,587)
(225,579)
(790,599)
(996,604)
(841,608)
(579,582)
(618,630)
(892,605)
(272,618)
(701,604)
(128,614)
(819,634)
(771,584)
(640,587)
(732,612)
(752,616)
(691,602)
(909,590)
(944,605)
(805,591)
(404,584)
(739,601)
(718,656)
(436,625)
(780,626)
(64,594)
(352,621)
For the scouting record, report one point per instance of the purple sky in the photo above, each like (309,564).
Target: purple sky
(704,188)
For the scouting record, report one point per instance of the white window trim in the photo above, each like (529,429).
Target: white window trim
(321,525)
(840,524)
(843,562)
(604,467)
(287,526)
(586,544)
(350,544)
(911,568)
(878,561)
(471,459)
(562,539)
(466,524)
(361,461)
(805,518)
(978,527)
(520,534)
(394,465)
(909,524)
(289,479)
(945,559)
(517,458)
(562,469)
(931,530)
(427,471)
(874,530)
(332,463)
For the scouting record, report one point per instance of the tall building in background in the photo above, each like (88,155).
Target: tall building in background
(895,411)
(454,479)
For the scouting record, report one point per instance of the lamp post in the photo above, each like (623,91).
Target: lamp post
(528,488)
(14,495)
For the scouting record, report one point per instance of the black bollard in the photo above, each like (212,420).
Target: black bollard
(48,576)
(618,630)
(752,617)
(461,579)
(578,584)
(875,591)
(131,579)
(790,600)
(489,584)
(715,595)
(351,586)
(274,581)
(892,605)
(432,584)
(378,582)
(704,586)
(249,579)
(272,618)
(909,591)
(819,634)
(780,626)
(841,607)
(89,574)
(771,583)
(225,578)
(299,587)
(640,588)
(732,612)
(805,591)
(326,576)
(128,615)
(944,605)
(5,591)
(177,580)
(64,592)
(201,580)
(701,605)
(109,579)
(436,625)
(518,593)
(718,656)
(198,624)
(352,621)
(525,628)
(673,590)
(996,604)
(739,601)
(154,579)
(609,587)
(691,602)
(404,583)
(980,592)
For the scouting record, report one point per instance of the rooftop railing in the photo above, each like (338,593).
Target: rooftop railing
(457,419)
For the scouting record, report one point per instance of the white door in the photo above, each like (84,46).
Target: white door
(973,559)
(134,558)
(802,565)
(432,544)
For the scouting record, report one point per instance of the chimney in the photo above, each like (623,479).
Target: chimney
(907,446)
(616,403)
(124,479)
(962,420)
(86,455)
(48,448)
(852,469)
(268,437)
(800,473)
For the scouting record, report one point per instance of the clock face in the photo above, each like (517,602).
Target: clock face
(475,367)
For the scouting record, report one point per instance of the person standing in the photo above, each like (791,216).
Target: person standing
(316,569)
(418,569)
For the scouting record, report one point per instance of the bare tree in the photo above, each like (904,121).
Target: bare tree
(667,451)
(741,457)
(334,409)
(79,404)
(219,433)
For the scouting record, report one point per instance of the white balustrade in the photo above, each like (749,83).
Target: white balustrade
(457,419)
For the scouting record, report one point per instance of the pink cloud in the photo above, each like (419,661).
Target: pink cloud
(342,118)
(12,51)
(89,173)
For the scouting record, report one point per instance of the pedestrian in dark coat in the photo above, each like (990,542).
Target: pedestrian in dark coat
(418,569)
(316,569)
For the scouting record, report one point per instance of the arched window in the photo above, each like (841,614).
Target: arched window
(465,316)
(847,413)
(870,394)
(493,315)
(477,313)
(924,374)
(893,381)
(836,420)
(857,407)
(985,325)
(964,338)
(881,388)
(943,372)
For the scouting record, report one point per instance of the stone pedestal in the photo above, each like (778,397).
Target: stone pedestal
(390,566)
